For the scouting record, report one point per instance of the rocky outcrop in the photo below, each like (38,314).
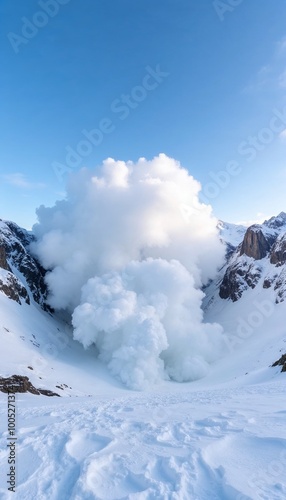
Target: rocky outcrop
(277,222)
(19,383)
(34,274)
(259,260)
(230,288)
(281,362)
(3,259)
(279,286)
(13,288)
(15,256)
(267,283)
(255,244)
(239,277)
(278,252)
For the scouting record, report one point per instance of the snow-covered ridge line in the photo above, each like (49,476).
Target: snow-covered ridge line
(24,269)
(220,437)
(256,257)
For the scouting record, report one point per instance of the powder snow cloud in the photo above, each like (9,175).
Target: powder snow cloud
(126,254)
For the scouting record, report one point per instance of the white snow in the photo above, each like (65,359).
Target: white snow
(231,233)
(222,437)
(220,443)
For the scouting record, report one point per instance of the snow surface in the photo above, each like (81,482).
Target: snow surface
(226,443)
(219,438)
(222,437)
(231,233)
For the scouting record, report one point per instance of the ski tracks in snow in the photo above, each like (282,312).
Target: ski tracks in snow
(170,447)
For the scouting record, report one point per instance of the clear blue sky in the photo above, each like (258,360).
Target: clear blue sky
(226,75)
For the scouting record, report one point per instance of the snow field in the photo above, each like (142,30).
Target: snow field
(224,444)
(222,437)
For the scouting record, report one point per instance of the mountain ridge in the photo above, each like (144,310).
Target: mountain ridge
(259,258)
(38,344)
(22,276)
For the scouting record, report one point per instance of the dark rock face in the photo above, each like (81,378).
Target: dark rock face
(34,275)
(267,283)
(281,362)
(249,264)
(14,289)
(276,222)
(15,254)
(255,244)
(238,278)
(3,260)
(279,286)
(278,252)
(19,383)
(230,288)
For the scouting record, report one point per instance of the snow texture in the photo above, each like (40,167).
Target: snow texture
(226,444)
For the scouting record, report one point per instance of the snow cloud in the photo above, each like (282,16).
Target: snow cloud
(127,253)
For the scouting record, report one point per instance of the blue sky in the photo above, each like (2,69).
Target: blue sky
(217,97)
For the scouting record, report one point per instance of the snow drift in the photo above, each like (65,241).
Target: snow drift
(127,253)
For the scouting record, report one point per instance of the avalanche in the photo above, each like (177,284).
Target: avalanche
(127,253)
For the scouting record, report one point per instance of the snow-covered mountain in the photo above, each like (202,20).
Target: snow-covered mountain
(254,270)
(231,234)
(22,276)
(36,343)
(256,257)
(220,437)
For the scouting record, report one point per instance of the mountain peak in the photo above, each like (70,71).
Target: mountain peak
(259,258)
(276,221)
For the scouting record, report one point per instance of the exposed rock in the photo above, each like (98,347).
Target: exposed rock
(13,288)
(278,251)
(238,278)
(255,244)
(281,362)
(17,383)
(231,285)
(21,234)
(34,275)
(276,222)
(280,286)
(15,244)
(3,259)
(259,260)
(46,392)
(267,283)
(20,383)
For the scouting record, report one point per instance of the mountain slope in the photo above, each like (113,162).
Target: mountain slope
(39,344)
(24,276)
(221,437)
(257,260)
